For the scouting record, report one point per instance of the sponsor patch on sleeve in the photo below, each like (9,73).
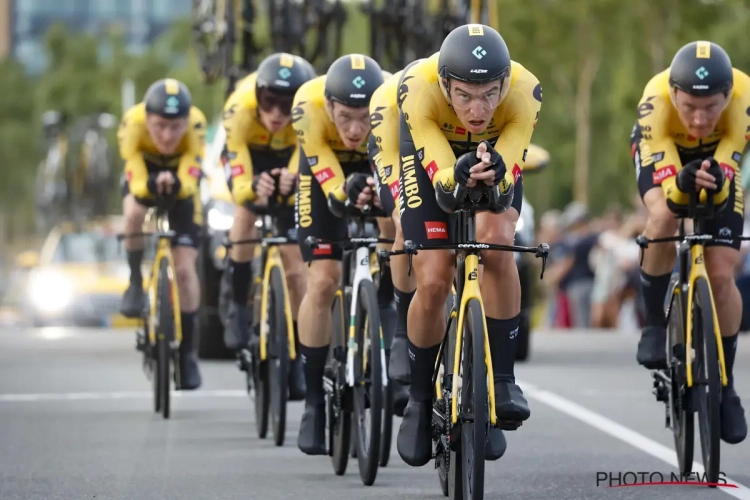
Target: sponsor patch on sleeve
(324,175)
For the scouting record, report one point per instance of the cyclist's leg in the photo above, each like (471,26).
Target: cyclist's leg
(315,319)
(658,259)
(296,284)
(423,222)
(501,293)
(722,258)
(186,219)
(236,334)
(134,211)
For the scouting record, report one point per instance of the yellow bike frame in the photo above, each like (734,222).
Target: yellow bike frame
(471,291)
(698,270)
(164,251)
(273,259)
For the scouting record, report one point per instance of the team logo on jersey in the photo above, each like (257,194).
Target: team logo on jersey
(538,92)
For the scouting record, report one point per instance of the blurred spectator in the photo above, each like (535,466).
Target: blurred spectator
(615,260)
(571,271)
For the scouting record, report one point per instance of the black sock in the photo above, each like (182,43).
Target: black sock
(314,363)
(403,299)
(503,337)
(188,330)
(241,276)
(422,362)
(654,289)
(135,257)
(730,349)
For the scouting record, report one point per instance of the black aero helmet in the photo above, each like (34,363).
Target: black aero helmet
(283,73)
(352,79)
(474,53)
(168,98)
(701,69)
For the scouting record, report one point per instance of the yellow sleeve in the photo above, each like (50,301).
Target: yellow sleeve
(189,169)
(128,138)
(419,104)
(656,147)
(237,120)
(308,121)
(523,105)
(729,151)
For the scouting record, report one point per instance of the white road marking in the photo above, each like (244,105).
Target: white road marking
(623,433)
(79,396)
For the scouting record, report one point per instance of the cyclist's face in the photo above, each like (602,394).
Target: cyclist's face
(474,104)
(166,132)
(699,115)
(275,110)
(352,124)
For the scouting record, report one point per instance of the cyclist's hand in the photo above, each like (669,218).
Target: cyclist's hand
(359,188)
(489,170)
(286,180)
(264,185)
(164,183)
(700,174)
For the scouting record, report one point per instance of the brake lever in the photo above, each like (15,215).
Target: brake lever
(543,252)
(642,242)
(411,249)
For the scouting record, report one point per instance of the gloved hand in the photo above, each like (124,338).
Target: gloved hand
(687,178)
(473,167)
(354,185)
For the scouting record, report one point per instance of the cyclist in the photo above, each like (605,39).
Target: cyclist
(468,100)
(331,117)
(162,140)
(383,150)
(693,124)
(261,145)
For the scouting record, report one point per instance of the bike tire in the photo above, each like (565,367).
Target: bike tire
(164,334)
(443,458)
(338,413)
(386,432)
(708,370)
(470,486)
(278,359)
(681,414)
(368,382)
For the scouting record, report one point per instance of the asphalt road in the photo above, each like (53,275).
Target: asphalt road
(76,422)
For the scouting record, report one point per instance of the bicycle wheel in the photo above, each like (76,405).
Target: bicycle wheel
(386,432)
(681,413)
(368,382)
(338,409)
(443,454)
(164,335)
(466,475)
(707,379)
(278,356)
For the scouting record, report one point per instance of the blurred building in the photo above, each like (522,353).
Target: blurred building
(23,23)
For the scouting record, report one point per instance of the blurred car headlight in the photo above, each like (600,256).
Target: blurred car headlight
(221,216)
(50,292)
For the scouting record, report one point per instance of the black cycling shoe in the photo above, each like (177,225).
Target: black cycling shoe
(399,368)
(733,423)
(237,330)
(312,430)
(414,441)
(496,444)
(190,375)
(400,397)
(133,302)
(652,350)
(511,406)
(297,384)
